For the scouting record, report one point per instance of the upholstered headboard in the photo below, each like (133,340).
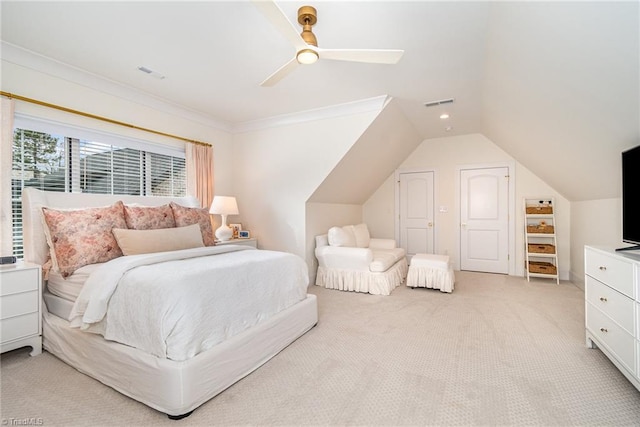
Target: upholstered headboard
(33,200)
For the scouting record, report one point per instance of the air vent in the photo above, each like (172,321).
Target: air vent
(152,73)
(439,102)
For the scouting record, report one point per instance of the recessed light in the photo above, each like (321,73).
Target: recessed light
(444,116)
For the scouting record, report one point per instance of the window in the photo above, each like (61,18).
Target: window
(55,162)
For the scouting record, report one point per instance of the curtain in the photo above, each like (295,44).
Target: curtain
(7,108)
(200,173)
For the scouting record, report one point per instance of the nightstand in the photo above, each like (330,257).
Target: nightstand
(253,242)
(20,307)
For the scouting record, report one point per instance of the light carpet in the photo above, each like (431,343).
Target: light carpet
(497,351)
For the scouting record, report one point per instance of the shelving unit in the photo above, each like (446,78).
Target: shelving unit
(541,255)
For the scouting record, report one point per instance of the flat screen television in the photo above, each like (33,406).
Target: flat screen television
(630,196)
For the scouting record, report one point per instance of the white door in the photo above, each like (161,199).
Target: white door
(416,212)
(484,220)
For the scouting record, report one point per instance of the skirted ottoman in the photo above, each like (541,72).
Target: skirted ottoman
(431,271)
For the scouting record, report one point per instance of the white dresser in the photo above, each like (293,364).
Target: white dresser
(20,307)
(612,307)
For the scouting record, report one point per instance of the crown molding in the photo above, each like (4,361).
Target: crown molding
(362,106)
(43,64)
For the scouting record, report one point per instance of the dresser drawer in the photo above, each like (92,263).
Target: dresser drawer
(636,279)
(615,272)
(19,280)
(612,303)
(638,358)
(638,324)
(20,326)
(613,337)
(17,304)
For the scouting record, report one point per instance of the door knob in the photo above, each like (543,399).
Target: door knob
(430,224)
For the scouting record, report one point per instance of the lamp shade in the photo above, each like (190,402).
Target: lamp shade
(224,205)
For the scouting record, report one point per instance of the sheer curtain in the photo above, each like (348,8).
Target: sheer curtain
(200,173)
(6,143)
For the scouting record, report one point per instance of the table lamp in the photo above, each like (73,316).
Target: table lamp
(223,206)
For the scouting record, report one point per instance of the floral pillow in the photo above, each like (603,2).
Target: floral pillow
(82,237)
(149,218)
(187,216)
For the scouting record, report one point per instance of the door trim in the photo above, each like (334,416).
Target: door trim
(396,195)
(512,209)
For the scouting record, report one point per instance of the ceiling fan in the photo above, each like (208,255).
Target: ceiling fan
(307,50)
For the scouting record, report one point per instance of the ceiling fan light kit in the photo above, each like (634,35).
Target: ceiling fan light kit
(306,44)
(307,56)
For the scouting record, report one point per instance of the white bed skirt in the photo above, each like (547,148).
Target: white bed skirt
(177,388)
(376,283)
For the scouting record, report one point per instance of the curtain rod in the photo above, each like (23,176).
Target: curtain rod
(104,119)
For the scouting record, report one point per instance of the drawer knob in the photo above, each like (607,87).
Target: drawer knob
(603,330)
(603,268)
(603,299)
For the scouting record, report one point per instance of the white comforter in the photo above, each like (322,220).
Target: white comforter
(177,304)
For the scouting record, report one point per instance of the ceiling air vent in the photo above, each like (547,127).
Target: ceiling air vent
(152,73)
(438,102)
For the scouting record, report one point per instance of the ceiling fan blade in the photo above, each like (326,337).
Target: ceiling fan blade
(279,20)
(374,56)
(280,73)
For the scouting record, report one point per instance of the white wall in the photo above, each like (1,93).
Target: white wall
(276,170)
(379,211)
(596,223)
(445,155)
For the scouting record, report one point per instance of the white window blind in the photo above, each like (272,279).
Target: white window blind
(51,157)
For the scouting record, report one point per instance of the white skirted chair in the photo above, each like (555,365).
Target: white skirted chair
(350,260)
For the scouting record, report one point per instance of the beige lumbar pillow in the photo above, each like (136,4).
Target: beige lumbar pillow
(135,242)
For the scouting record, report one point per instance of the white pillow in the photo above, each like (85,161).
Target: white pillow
(135,242)
(342,236)
(361,232)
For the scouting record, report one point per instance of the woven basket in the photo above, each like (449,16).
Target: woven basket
(544,229)
(541,248)
(532,210)
(542,268)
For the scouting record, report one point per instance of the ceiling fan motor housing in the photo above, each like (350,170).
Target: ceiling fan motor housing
(307,17)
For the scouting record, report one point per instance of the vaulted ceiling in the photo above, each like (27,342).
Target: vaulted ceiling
(555,84)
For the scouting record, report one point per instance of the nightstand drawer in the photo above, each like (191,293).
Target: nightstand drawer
(17,304)
(19,326)
(252,241)
(19,280)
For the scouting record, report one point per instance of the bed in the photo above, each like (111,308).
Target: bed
(169,375)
